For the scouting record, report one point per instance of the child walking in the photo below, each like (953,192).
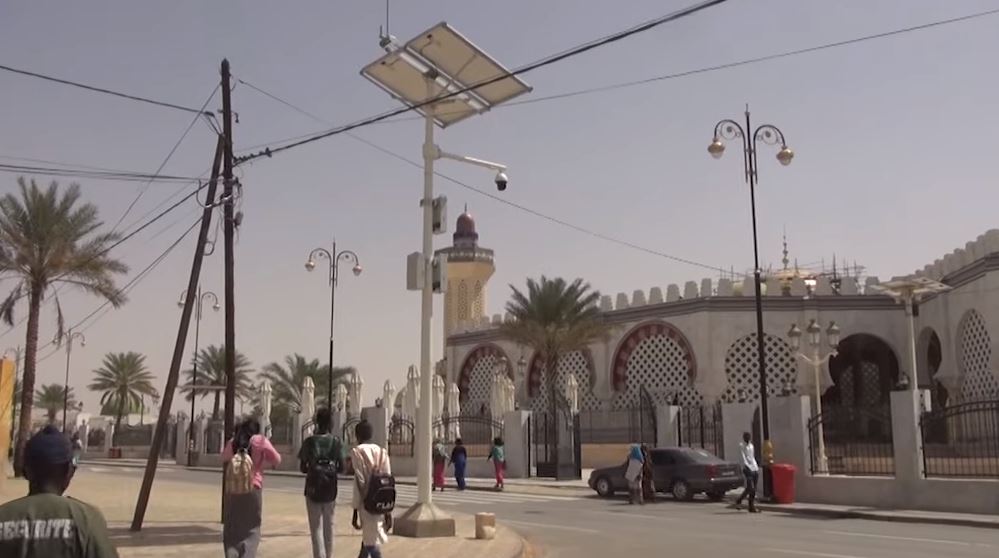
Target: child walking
(498,455)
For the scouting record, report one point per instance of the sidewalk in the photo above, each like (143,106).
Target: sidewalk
(182,521)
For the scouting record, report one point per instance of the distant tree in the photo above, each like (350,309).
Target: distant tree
(50,398)
(123,380)
(211,372)
(48,236)
(286,380)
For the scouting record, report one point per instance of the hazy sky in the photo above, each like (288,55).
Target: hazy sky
(895,142)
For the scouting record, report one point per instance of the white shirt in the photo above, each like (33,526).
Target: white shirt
(748,453)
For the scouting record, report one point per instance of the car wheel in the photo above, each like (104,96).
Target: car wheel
(604,487)
(716,496)
(681,491)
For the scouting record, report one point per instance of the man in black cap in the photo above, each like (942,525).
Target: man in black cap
(45,523)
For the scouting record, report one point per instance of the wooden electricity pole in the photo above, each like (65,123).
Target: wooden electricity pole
(229,230)
(178,350)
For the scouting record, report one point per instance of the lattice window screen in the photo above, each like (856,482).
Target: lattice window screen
(463,313)
(742,368)
(659,364)
(480,385)
(572,363)
(975,357)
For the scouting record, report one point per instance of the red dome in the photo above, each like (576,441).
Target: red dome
(466,224)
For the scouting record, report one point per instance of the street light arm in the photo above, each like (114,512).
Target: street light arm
(768,134)
(730,129)
(820,362)
(208,295)
(439,154)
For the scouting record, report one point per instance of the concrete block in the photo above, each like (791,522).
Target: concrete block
(690,290)
(725,287)
(485,526)
(622,301)
(606,303)
(707,288)
(424,521)
(638,298)
(822,286)
(773,287)
(672,293)
(848,286)
(798,287)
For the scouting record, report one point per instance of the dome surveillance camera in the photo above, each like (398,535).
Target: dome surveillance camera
(501,181)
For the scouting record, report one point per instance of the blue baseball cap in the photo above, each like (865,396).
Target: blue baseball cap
(48,447)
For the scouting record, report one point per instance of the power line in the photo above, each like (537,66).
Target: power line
(103,90)
(552,59)
(106,306)
(696,71)
(487,194)
(92,174)
(166,160)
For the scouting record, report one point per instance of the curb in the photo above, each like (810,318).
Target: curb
(885,516)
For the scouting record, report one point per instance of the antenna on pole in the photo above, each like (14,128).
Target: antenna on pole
(385,38)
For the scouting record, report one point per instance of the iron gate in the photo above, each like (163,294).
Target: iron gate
(701,427)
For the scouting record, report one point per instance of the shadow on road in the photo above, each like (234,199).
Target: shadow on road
(154,534)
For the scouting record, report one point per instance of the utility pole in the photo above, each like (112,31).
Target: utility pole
(229,230)
(178,350)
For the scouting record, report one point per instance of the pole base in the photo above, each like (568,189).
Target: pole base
(424,521)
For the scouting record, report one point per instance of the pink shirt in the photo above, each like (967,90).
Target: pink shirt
(261,452)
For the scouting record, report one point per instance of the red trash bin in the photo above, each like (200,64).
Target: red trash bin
(783,482)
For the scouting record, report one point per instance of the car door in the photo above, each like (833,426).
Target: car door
(664,468)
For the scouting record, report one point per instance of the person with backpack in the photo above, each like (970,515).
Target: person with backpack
(459,458)
(321,459)
(374,491)
(498,456)
(245,457)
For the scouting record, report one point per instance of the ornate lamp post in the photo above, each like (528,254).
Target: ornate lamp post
(70,337)
(198,303)
(334,258)
(768,134)
(817,361)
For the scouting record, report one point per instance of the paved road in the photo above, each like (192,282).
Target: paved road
(590,527)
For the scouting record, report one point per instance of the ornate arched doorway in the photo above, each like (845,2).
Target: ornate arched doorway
(742,369)
(974,359)
(475,380)
(864,373)
(577,363)
(655,358)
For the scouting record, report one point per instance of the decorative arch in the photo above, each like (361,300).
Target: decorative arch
(864,372)
(657,359)
(974,358)
(475,377)
(638,334)
(742,368)
(929,355)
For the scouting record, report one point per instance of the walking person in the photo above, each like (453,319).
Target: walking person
(459,458)
(498,455)
(77,448)
(369,459)
(648,484)
(750,470)
(440,464)
(245,457)
(633,474)
(45,523)
(321,458)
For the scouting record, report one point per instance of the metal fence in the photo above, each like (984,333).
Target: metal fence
(401,437)
(857,441)
(961,441)
(475,432)
(134,436)
(617,426)
(701,427)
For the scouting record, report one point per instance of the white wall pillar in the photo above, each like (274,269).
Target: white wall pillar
(183,439)
(736,419)
(789,430)
(515,440)
(667,421)
(905,435)
(378,417)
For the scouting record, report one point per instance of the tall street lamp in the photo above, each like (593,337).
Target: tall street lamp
(72,335)
(769,135)
(334,259)
(817,362)
(198,303)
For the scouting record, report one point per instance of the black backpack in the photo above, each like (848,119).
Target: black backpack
(320,478)
(379,494)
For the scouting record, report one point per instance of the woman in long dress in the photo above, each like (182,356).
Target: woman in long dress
(459,458)
(440,464)
(244,512)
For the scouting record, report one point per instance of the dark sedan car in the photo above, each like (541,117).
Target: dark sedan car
(683,472)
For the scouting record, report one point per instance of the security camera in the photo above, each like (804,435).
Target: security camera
(501,181)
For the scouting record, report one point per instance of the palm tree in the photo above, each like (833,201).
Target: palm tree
(49,237)
(50,398)
(123,380)
(287,380)
(211,373)
(554,318)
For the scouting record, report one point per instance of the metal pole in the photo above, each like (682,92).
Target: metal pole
(333,281)
(194,380)
(423,424)
(65,385)
(178,349)
(910,314)
(817,364)
(229,231)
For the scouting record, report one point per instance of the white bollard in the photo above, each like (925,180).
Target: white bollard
(485,526)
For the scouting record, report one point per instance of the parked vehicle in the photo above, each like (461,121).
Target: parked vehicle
(683,472)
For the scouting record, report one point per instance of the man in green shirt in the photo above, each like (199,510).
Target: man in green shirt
(321,458)
(45,523)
